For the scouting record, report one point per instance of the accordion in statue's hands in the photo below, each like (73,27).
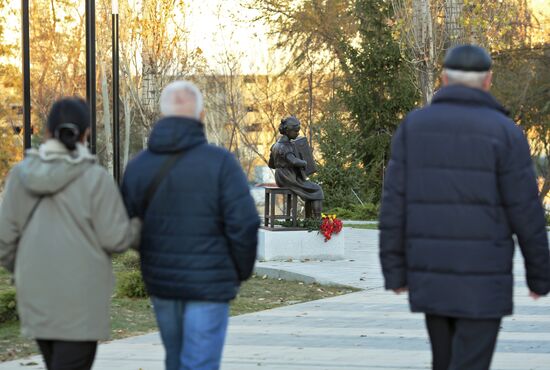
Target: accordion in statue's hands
(303,151)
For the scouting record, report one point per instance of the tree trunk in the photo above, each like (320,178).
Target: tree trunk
(453,22)
(425,48)
(150,91)
(127,129)
(106,120)
(149,88)
(144,137)
(542,167)
(545,189)
(310,106)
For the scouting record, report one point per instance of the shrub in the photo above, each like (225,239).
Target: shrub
(130,284)
(309,224)
(341,213)
(8,306)
(367,211)
(129,259)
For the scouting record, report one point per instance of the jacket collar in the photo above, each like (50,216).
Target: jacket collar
(173,134)
(457,94)
(50,168)
(53,149)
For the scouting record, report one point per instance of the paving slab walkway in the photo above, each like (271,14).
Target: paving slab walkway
(367,330)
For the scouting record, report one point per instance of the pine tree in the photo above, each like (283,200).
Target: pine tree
(377,92)
(341,172)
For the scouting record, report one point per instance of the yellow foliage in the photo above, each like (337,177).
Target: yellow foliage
(11,151)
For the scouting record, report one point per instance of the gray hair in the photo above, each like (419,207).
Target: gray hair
(467,78)
(166,101)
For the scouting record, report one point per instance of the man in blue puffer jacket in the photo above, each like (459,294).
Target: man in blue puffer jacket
(459,184)
(199,231)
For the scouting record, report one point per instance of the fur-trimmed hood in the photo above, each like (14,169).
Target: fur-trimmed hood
(52,166)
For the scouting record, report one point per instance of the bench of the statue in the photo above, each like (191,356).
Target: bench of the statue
(290,206)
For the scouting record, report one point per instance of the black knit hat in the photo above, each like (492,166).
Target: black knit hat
(468,58)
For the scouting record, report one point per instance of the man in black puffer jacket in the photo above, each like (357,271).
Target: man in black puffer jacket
(199,231)
(459,184)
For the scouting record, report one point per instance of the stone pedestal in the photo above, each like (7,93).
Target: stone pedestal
(299,245)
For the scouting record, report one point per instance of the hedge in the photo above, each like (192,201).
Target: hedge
(367,211)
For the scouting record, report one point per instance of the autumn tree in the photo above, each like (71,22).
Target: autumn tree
(427,28)
(521,70)
(307,33)
(57,54)
(11,144)
(522,83)
(306,27)
(372,84)
(57,67)
(245,105)
(422,39)
(154,52)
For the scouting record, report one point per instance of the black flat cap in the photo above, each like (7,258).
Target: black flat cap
(468,58)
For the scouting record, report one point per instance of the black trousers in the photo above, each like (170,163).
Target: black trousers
(67,355)
(462,344)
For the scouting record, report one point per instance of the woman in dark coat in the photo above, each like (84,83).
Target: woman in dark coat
(289,169)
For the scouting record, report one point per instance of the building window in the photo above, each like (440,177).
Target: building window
(254,127)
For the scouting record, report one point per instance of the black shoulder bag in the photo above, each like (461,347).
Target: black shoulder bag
(31,213)
(157,180)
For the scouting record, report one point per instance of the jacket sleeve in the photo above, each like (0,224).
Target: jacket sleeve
(240,217)
(127,195)
(9,230)
(115,231)
(520,198)
(393,216)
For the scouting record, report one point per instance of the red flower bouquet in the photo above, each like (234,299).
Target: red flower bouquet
(330,225)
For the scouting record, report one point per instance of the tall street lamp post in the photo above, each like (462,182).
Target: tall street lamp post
(27,130)
(116,115)
(90,70)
